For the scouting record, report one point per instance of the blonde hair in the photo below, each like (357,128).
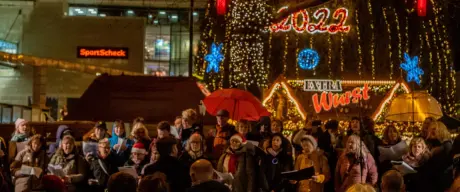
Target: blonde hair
(137,127)
(190,114)
(415,141)
(359,146)
(442,134)
(358,187)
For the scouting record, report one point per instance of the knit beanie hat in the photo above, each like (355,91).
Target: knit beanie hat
(239,137)
(310,139)
(19,122)
(139,148)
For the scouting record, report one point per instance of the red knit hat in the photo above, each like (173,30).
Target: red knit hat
(139,148)
(239,137)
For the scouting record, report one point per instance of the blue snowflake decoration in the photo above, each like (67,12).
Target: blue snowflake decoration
(411,67)
(308,59)
(214,58)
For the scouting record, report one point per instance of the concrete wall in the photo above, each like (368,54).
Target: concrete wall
(16,85)
(50,34)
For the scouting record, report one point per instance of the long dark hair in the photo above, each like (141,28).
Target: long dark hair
(283,141)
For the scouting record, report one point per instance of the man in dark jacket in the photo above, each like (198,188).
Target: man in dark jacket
(201,173)
(176,173)
(102,166)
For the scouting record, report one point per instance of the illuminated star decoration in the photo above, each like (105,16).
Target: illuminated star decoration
(214,58)
(308,59)
(411,67)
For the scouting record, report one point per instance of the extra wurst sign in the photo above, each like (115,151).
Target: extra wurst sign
(326,99)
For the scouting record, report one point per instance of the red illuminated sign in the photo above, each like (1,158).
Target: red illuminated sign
(102,52)
(329,100)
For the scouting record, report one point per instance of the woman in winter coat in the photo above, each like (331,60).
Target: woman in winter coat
(435,173)
(141,134)
(138,158)
(194,150)
(21,133)
(355,158)
(118,137)
(417,156)
(34,155)
(102,166)
(72,163)
(62,131)
(240,163)
(277,127)
(312,157)
(277,160)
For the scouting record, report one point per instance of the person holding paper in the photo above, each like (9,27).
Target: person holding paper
(312,157)
(102,166)
(436,174)
(62,131)
(416,157)
(72,164)
(34,156)
(137,159)
(277,160)
(355,165)
(238,161)
(119,143)
(391,139)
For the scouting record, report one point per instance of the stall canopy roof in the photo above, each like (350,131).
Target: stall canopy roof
(155,99)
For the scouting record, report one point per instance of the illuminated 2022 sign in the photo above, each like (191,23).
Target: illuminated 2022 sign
(326,100)
(306,23)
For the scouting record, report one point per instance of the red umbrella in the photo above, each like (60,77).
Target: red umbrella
(240,104)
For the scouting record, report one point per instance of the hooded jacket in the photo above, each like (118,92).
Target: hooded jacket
(59,134)
(114,139)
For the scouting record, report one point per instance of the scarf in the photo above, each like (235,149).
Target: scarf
(272,152)
(232,162)
(195,155)
(19,137)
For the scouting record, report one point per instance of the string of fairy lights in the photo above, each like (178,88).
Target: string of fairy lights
(372,41)
(398,29)
(385,18)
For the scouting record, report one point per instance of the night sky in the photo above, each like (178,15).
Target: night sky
(454,27)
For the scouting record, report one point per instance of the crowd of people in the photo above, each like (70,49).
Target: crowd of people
(247,157)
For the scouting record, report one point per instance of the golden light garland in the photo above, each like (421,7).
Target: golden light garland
(246,52)
(377,113)
(385,18)
(297,53)
(286,42)
(342,62)
(372,41)
(360,52)
(329,55)
(398,29)
(407,43)
(280,83)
